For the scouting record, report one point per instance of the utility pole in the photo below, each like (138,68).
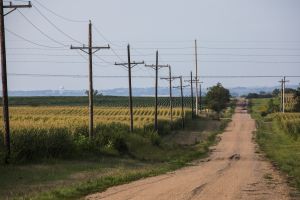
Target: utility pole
(200,96)
(90,50)
(283,82)
(170,79)
(281,95)
(156,67)
(182,103)
(196,81)
(196,62)
(192,93)
(283,99)
(130,65)
(13,7)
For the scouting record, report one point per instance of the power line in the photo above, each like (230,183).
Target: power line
(37,28)
(147,76)
(170,61)
(58,29)
(204,54)
(206,47)
(40,49)
(60,16)
(114,52)
(29,41)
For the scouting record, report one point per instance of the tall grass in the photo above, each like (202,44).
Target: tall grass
(277,135)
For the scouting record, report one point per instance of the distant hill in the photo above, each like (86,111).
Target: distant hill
(163,91)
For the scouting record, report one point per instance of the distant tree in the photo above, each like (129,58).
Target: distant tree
(272,107)
(252,95)
(217,98)
(96,93)
(297,97)
(276,92)
(262,93)
(290,90)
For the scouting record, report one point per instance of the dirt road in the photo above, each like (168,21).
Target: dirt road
(233,171)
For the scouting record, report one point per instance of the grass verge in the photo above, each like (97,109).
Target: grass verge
(280,147)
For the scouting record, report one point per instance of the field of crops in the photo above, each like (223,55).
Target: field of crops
(289,122)
(105,101)
(70,116)
(60,131)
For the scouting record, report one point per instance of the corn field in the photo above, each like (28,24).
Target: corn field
(68,116)
(61,131)
(289,122)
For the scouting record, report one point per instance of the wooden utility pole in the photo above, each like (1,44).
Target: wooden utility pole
(182,109)
(283,82)
(170,79)
(281,95)
(130,65)
(90,51)
(156,67)
(13,7)
(192,93)
(192,96)
(283,98)
(171,98)
(182,101)
(196,81)
(200,97)
(196,62)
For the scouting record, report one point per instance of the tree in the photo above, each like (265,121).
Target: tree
(217,98)
(276,92)
(272,107)
(96,93)
(297,97)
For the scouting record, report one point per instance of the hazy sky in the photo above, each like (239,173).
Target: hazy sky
(235,37)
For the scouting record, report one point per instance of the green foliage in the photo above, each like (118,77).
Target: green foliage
(106,101)
(155,139)
(288,122)
(276,92)
(272,106)
(297,97)
(30,144)
(277,135)
(217,98)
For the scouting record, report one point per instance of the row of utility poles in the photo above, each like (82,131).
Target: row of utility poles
(91,50)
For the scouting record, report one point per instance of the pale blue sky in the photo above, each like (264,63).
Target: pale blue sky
(253,37)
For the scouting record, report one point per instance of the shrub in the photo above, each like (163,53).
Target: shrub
(155,139)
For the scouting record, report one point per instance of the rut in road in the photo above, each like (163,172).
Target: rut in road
(233,171)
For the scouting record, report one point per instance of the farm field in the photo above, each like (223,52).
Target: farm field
(40,132)
(76,116)
(105,101)
(278,136)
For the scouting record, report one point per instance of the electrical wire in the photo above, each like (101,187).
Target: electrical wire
(144,76)
(60,16)
(57,28)
(37,28)
(29,41)
(113,50)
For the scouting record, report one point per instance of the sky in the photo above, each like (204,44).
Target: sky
(234,37)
